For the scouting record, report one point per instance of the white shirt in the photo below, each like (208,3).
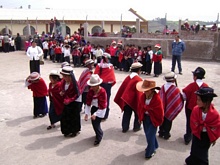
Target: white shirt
(45,45)
(99,113)
(66,52)
(34,52)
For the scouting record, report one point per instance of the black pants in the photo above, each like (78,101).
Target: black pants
(107,88)
(45,53)
(188,135)
(148,67)
(199,150)
(164,129)
(96,124)
(34,66)
(127,117)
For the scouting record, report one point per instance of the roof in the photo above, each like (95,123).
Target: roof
(67,14)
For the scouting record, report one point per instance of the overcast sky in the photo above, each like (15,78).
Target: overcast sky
(175,9)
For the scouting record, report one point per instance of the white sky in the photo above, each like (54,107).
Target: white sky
(175,9)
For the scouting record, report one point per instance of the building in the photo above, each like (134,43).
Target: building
(15,21)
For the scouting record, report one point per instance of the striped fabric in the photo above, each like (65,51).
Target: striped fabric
(84,77)
(172,102)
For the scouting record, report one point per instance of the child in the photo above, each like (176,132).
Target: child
(96,102)
(205,125)
(151,113)
(172,103)
(157,59)
(35,83)
(190,97)
(56,100)
(66,52)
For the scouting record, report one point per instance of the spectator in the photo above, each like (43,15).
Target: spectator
(197,27)
(178,47)
(214,28)
(18,42)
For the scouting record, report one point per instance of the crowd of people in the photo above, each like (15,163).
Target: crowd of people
(152,106)
(9,43)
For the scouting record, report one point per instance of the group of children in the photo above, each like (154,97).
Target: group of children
(155,109)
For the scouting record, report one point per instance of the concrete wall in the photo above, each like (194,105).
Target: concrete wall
(195,49)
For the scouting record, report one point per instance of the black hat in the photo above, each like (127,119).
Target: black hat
(206,91)
(199,72)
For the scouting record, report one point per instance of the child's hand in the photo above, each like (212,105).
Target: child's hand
(93,117)
(86,117)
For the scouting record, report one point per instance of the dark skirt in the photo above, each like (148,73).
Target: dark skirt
(34,66)
(148,67)
(52,114)
(70,120)
(40,106)
(199,150)
(157,68)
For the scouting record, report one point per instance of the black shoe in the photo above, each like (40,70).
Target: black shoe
(124,131)
(96,143)
(180,73)
(166,137)
(35,116)
(41,115)
(136,129)
(149,157)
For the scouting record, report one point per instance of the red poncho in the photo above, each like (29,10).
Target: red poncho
(106,73)
(154,109)
(172,102)
(128,94)
(39,89)
(190,94)
(56,98)
(211,123)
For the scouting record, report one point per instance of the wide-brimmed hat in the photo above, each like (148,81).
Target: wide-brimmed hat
(206,91)
(136,65)
(34,76)
(65,64)
(170,76)
(146,85)
(94,80)
(66,70)
(106,55)
(88,62)
(200,72)
(54,73)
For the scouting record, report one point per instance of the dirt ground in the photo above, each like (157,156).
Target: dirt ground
(26,141)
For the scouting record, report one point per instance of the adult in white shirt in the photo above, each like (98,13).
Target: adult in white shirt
(98,54)
(34,52)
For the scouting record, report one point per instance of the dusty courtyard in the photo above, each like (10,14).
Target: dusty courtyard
(26,141)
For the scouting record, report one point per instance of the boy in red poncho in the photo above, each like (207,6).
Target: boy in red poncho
(190,97)
(172,103)
(128,98)
(150,111)
(205,125)
(96,102)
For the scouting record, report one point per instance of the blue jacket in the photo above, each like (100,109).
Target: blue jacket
(178,48)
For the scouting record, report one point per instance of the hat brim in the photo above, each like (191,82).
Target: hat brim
(91,62)
(88,82)
(34,78)
(140,88)
(206,95)
(170,79)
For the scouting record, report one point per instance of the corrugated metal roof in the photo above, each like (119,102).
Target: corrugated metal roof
(76,14)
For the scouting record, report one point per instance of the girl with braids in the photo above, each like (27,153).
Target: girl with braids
(70,91)
(105,70)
